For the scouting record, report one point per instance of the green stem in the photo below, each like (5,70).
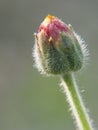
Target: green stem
(76,105)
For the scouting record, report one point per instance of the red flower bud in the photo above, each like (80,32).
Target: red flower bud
(58,49)
(52,27)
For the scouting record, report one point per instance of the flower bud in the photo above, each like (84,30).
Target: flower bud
(57,48)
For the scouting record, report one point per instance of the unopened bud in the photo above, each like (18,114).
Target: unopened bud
(57,48)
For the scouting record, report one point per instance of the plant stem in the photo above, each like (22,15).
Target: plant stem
(76,105)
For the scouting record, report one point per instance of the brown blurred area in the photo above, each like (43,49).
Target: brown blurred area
(29,101)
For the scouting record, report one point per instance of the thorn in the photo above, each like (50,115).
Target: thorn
(35,35)
(70,26)
(51,40)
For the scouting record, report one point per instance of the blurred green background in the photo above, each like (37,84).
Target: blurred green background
(29,101)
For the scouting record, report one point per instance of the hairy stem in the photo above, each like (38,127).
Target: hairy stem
(76,105)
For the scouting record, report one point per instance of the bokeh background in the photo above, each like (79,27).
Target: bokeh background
(29,101)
